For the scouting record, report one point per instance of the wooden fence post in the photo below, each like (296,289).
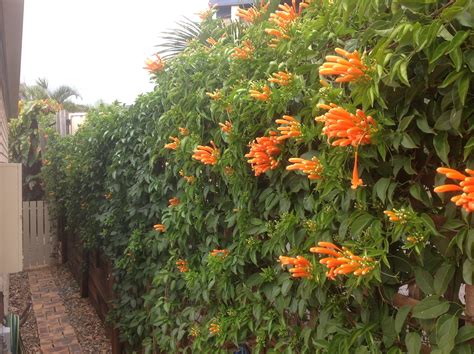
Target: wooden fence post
(469,310)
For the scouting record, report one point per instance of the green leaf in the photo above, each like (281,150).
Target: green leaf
(381,187)
(468,271)
(407,142)
(413,343)
(446,330)
(424,280)
(456,58)
(468,147)
(400,318)
(441,145)
(440,50)
(402,73)
(457,40)
(463,88)
(430,307)
(442,278)
(453,76)
(464,334)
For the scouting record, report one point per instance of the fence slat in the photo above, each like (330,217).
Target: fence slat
(26,235)
(48,235)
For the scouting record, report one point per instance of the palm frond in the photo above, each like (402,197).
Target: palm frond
(176,41)
(43,83)
(63,93)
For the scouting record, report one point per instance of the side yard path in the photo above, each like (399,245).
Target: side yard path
(60,321)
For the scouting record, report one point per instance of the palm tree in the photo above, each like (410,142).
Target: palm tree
(62,94)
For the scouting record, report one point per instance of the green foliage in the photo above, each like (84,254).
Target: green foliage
(28,137)
(114,178)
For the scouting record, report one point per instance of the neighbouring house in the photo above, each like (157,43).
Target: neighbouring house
(227,9)
(11,259)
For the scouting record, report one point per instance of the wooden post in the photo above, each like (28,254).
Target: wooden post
(2,308)
(469,310)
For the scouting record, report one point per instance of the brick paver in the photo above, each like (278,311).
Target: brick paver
(55,332)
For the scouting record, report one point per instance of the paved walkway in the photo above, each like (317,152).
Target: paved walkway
(55,332)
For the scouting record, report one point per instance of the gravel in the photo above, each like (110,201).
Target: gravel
(89,328)
(20,297)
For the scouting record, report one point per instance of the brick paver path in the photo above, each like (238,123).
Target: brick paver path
(55,332)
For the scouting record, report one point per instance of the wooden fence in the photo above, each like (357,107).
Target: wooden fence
(39,240)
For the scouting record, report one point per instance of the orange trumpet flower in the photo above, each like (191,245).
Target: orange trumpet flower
(183,131)
(312,168)
(208,155)
(211,41)
(263,95)
(282,78)
(182,265)
(174,144)
(342,261)
(245,52)
(465,185)
(301,266)
(154,65)
(159,227)
(220,253)
(173,202)
(216,95)
(214,328)
(262,154)
(226,127)
(290,128)
(348,66)
(253,14)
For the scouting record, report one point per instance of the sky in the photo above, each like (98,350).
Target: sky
(97,46)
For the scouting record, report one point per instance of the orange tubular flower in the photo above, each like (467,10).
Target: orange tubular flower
(226,127)
(301,266)
(183,131)
(263,95)
(174,145)
(282,78)
(396,215)
(211,41)
(216,95)
(159,227)
(282,18)
(182,265)
(208,155)
(348,129)
(348,70)
(154,65)
(342,261)
(312,168)
(204,15)
(262,154)
(253,14)
(290,128)
(214,328)
(220,253)
(173,202)
(245,52)
(465,185)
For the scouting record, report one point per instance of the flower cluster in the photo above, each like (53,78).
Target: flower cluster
(154,65)
(208,155)
(173,202)
(253,14)
(216,95)
(189,179)
(312,168)
(174,144)
(301,266)
(262,154)
(399,216)
(342,261)
(183,131)
(214,328)
(465,186)
(226,127)
(159,227)
(348,70)
(282,78)
(290,128)
(220,253)
(182,265)
(282,18)
(245,52)
(211,41)
(263,95)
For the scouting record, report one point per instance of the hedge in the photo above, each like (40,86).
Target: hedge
(218,238)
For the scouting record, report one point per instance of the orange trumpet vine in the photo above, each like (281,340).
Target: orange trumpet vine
(301,266)
(216,95)
(282,78)
(262,154)
(220,253)
(348,66)
(174,144)
(159,227)
(253,14)
(465,185)
(226,127)
(214,328)
(263,95)
(312,168)
(182,265)
(245,52)
(290,128)
(173,202)
(208,155)
(154,65)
